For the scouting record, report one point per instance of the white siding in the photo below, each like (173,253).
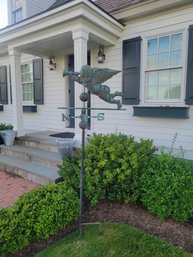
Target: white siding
(160,130)
(37,6)
(48,116)
(30,8)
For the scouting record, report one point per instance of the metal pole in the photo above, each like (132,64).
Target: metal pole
(82,180)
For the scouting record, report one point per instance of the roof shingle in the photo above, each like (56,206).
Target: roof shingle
(107,5)
(110,6)
(59,3)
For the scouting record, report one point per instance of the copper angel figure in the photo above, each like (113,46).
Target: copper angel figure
(92,79)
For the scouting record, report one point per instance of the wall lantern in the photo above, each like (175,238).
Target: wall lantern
(101,55)
(52,63)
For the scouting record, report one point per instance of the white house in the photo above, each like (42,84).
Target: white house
(150,41)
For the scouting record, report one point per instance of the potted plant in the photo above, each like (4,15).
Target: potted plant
(7,134)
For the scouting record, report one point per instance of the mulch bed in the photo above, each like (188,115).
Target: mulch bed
(178,234)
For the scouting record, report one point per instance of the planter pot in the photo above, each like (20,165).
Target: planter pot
(8,137)
(65,146)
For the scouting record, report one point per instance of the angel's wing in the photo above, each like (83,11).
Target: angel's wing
(101,75)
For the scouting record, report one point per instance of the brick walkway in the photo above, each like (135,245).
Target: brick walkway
(11,187)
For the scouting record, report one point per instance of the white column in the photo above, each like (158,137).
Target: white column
(16,91)
(80,38)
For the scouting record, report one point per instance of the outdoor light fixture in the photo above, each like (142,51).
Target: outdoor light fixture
(52,63)
(101,55)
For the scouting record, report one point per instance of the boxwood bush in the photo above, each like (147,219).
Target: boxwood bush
(167,187)
(37,215)
(113,165)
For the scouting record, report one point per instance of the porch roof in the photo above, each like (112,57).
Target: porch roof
(51,31)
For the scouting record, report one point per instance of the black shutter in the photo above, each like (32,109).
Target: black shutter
(3,85)
(71,91)
(10,84)
(131,70)
(38,81)
(189,83)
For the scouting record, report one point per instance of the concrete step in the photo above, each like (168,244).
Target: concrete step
(47,144)
(36,173)
(29,154)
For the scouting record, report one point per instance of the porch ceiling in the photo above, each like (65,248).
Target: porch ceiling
(51,32)
(57,44)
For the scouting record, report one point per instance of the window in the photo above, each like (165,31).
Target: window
(17,15)
(16,10)
(165,87)
(164,69)
(27,82)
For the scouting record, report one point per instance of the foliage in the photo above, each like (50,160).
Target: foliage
(37,215)
(113,164)
(4,126)
(167,187)
(125,242)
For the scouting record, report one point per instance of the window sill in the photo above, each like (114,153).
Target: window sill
(173,112)
(1,108)
(29,108)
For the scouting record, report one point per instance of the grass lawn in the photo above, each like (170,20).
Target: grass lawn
(116,240)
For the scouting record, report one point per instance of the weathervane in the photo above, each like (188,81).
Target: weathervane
(91,78)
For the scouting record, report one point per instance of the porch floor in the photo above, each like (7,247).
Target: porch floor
(43,136)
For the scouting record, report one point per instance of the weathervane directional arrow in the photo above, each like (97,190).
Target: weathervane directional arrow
(90,108)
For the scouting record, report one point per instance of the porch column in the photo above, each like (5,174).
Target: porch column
(80,38)
(16,91)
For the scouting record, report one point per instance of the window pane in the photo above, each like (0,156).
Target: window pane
(176,42)
(163,92)
(27,82)
(174,92)
(24,97)
(152,61)
(30,87)
(164,44)
(152,46)
(176,58)
(176,76)
(24,87)
(17,15)
(152,92)
(164,77)
(29,98)
(163,60)
(152,78)
(152,85)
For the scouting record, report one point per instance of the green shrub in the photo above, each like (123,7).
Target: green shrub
(113,164)
(167,187)
(37,215)
(4,126)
